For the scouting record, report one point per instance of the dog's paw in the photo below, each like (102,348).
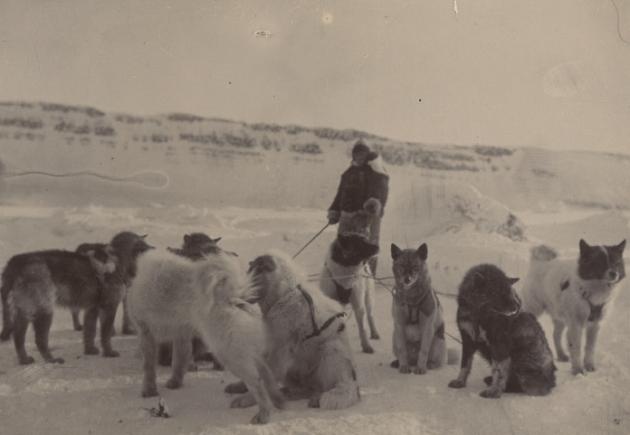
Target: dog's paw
(367,348)
(404,369)
(91,350)
(244,401)
(174,383)
(374,335)
(149,391)
(563,357)
(589,366)
(261,418)
(394,364)
(236,388)
(433,365)
(457,383)
(490,393)
(27,360)
(419,370)
(577,370)
(111,353)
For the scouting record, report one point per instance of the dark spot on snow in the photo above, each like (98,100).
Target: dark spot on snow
(565,285)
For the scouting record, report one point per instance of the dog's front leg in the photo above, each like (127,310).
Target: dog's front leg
(428,332)
(359,311)
(592,329)
(500,373)
(574,336)
(400,348)
(89,331)
(107,316)
(468,351)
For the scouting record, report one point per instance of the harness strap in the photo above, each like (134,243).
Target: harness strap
(316,330)
(343,294)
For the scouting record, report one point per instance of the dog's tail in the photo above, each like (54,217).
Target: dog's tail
(452,356)
(270,383)
(7,312)
(543,253)
(343,395)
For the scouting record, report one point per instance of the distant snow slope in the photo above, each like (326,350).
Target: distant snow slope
(176,158)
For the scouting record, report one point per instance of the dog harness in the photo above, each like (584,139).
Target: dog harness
(311,307)
(343,294)
(413,309)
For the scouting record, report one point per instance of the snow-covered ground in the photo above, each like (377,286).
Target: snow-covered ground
(94,395)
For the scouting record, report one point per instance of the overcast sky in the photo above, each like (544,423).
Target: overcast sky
(550,73)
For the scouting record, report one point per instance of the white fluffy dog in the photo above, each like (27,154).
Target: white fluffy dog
(173,298)
(576,293)
(309,350)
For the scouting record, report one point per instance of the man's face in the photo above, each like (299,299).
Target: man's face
(360,157)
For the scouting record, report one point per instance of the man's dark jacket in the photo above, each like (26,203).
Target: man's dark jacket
(357,185)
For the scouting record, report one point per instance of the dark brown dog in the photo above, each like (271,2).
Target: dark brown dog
(513,342)
(33,282)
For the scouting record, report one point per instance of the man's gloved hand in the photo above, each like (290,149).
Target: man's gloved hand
(333,217)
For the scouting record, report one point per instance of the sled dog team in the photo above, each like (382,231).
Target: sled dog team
(285,338)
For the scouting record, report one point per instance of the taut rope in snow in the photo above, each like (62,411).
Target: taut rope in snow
(312,240)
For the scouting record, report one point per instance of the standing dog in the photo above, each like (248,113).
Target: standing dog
(490,321)
(309,352)
(33,282)
(575,294)
(173,298)
(418,322)
(125,246)
(196,246)
(346,278)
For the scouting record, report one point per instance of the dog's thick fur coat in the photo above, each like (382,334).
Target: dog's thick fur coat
(309,352)
(173,298)
(513,342)
(575,293)
(418,338)
(346,278)
(32,283)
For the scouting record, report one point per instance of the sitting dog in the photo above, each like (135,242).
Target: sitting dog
(575,293)
(196,246)
(513,342)
(173,298)
(33,282)
(418,323)
(309,351)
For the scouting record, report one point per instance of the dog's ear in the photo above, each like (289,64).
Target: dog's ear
(513,281)
(144,236)
(423,252)
(396,251)
(620,247)
(584,247)
(217,240)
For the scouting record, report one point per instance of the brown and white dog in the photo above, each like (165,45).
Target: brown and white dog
(575,294)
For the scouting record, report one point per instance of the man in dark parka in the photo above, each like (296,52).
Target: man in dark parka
(364,187)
